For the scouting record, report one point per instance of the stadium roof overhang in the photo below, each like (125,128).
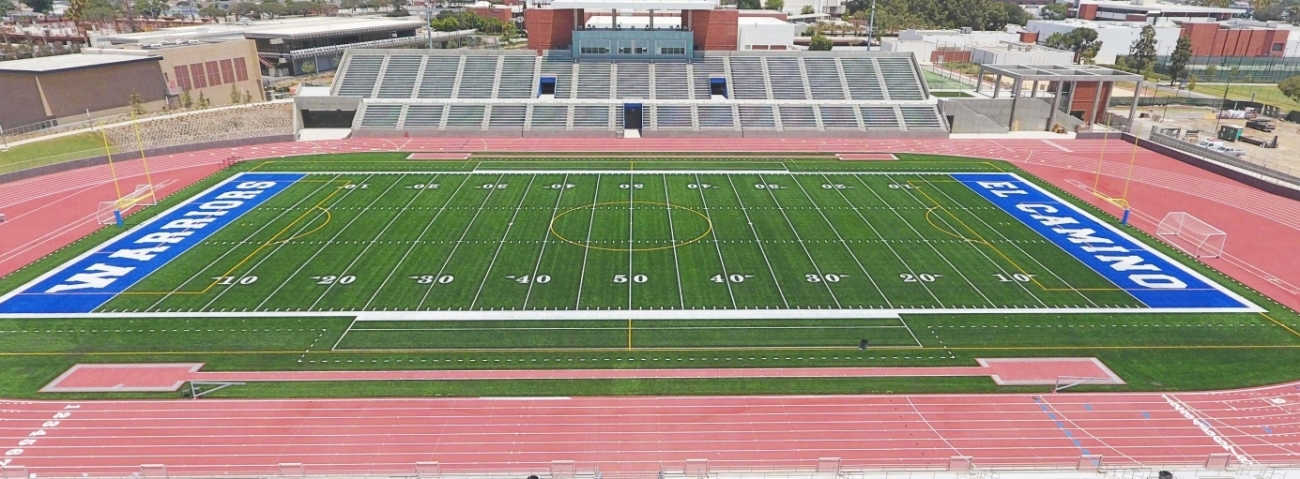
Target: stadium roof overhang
(635,4)
(1061,73)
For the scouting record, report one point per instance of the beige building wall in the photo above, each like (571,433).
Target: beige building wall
(215,61)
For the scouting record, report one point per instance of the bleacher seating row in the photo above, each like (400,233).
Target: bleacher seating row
(426,92)
(449,74)
(662,117)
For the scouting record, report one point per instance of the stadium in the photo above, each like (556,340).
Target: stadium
(564,264)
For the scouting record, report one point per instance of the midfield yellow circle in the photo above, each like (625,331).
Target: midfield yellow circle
(707,230)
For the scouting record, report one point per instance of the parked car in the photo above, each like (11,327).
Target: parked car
(1261,125)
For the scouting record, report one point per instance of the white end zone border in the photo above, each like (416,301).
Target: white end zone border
(373,315)
(1249,307)
(100,247)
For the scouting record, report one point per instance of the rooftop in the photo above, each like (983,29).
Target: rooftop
(282,28)
(635,4)
(1165,8)
(1060,72)
(67,62)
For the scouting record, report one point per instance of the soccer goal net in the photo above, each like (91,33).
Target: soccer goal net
(1192,235)
(142,196)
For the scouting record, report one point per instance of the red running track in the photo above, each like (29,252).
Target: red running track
(634,435)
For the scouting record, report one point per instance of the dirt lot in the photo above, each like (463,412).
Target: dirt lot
(1283,158)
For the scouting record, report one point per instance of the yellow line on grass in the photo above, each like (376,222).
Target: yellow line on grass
(1279,323)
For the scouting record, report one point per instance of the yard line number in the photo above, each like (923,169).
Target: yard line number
(734,278)
(430,279)
(1014,278)
(349,279)
(829,277)
(229,280)
(526,279)
(919,278)
(636,278)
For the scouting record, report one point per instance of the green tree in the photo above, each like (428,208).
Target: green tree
(1178,61)
(777,5)
(1191,82)
(1211,3)
(248,97)
(137,104)
(7,6)
(1211,71)
(807,10)
(1142,53)
(151,8)
(204,102)
(1080,40)
(234,94)
(748,4)
(820,43)
(350,5)
(1054,11)
(271,9)
(308,67)
(187,101)
(509,33)
(244,9)
(1290,87)
(40,6)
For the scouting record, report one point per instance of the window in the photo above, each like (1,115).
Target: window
(241,70)
(595,50)
(227,72)
(214,74)
(1277,47)
(672,51)
(196,71)
(183,77)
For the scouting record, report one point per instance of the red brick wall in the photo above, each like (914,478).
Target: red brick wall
(1209,39)
(1087,12)
(714,29)
(1082,100)
(548,29)
(1029,37)
(950,56)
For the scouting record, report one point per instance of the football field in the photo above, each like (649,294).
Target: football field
(666,244)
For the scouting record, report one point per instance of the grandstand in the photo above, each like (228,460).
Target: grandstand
(729,94)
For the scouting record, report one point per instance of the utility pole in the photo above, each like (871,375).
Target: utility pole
(871,25)
(428,21)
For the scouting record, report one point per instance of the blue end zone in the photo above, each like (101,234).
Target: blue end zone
(1151,277)
(93,279)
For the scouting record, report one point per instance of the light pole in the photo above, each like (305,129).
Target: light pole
(428,21)
(871,25)
(5,138)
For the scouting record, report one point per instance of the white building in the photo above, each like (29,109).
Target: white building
(1116,37)
(829,7)
(752,33)
(924,43)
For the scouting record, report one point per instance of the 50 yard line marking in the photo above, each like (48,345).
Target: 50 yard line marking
(414,244)
(501,244)
(631,212)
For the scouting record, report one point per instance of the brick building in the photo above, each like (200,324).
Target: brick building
(651,29)
(1236,38)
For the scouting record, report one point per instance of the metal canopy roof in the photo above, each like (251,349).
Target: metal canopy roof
(1061,73)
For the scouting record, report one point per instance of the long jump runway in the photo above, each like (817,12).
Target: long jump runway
(630,435)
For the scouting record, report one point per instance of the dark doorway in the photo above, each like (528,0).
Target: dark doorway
(718,86)
(546,86)
(632,116)
(328,118)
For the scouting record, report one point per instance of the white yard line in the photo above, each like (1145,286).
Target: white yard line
(909,331)
(278,245)
(672,234)
(233,249)
(1014,245)
(586,250)
(416,243)
(375,239)
(922,237)
(884,241)
(973,245)
(328,242)
(501,244)
(816,268)
(546,239)
(699,186)
(460,241)
(835,230)
(759,242)
(631,212)
(345,333)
